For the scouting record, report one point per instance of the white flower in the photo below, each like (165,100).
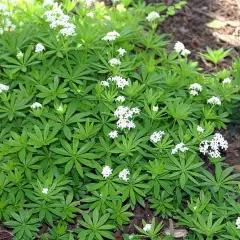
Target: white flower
(106,171)
(200,129)
(114,62)
(124,174)
(60,108)
(193,92)
(104,83)
(196,87)
(156,136)
(180,147)
(214,146)
(3,88)
(69,30)
(89,3)
(227,80)
(152,16)
(120,81)
(39,48)
(147,227)
(45,190)
(120,99)
(179,47)
(113,134)
(185,52)
(111,36)
(238,223)
(48,3)
(155,108)
(195,207)
(90,14)
(19,55)
(121,51)
(124,114)
(214,101)
(58,19)
(36,105)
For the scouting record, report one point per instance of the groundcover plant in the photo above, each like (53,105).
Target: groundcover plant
(98,117)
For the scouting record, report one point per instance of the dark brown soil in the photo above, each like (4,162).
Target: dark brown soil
(189,27)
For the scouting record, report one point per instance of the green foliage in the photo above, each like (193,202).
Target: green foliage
(84,142)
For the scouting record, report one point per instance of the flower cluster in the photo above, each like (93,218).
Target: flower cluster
(89,3)
(104,83)
(120,81)
(147,227)
(3,88)
(200,129)
(39,48)
(90,14)
(152,16)
(156,136)
(6,24)
(123,175)
(47,3)
(36,105)
(120,99)
(113,134)
(214,101)
(238,223)
(106,171)
(111,36)
(45,190)
(155,108)
(19,55)
(180,48)
(226,80)
(180,147)
(121,51)
(58,19)
(195,89)
(114,62)
(214,146)
(124,114)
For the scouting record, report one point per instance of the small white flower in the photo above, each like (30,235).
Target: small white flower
(19,55)
(193,92)
(60,108)
(200,129)
(21,23)
(155,108)
(179,47)
(156,136)
(238,223)
(185,52)
(123,175)
(147,227)
(180,147)
(104,83)
(3,88)
(106,171)
(227,80)
(195,207)
(111,36)
(90,14)
(136,110)
(89,3)
(114,62)
(121,51)
(214,146)
(36,105)
(196,87)
(120,99)
(48,3)
(39,48)
(113,134)
(120,81)
(131,125)
(45,190)
(152,16)
(214,101)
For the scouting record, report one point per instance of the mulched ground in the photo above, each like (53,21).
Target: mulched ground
(188,26)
